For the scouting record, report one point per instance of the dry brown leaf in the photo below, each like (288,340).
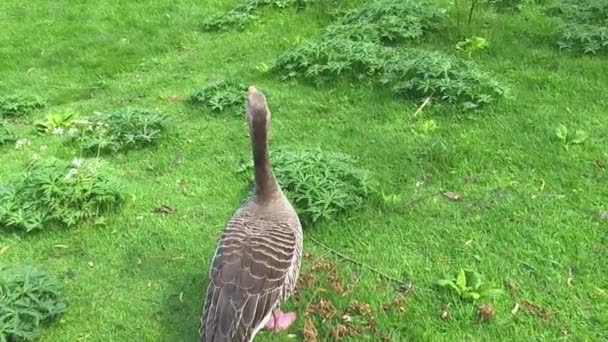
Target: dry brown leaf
(163,209)
(322,266)
(537,309)
(398,304)
(339,331)
(336,283)
(600,164)
(309,331)
(360,308)
(371,324)
(295,296)
(406,288)
(452,195)
(512,286)
(486,312)
(323,308)
(306,280)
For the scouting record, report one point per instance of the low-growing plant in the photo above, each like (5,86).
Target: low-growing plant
(584,25)
(357,47)
(54,193)
(568,138)
(221,95)
(245,11)
(16,105)
(121,130)
(7,136)
(56,123)
(408,72)
(389,21)
(588,38)
(447,78)
(517,5)
(469,284)
(29,298)
(473,45)
(588,11)
(321,185)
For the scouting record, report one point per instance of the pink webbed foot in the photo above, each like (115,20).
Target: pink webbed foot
(280,320)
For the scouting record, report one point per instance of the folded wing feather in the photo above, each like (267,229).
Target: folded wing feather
(248,277)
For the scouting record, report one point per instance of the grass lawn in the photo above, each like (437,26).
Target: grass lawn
(528,218)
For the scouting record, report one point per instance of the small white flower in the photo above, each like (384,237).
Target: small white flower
(71,173)
(77,162)
(21,143)
(58,131)
(73,132)
(35,157)
(92,168)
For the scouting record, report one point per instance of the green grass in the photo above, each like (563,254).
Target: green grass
(529,212)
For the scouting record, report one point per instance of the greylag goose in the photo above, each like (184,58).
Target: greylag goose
(257,260)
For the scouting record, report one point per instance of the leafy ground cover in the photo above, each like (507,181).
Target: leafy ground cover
(512,191)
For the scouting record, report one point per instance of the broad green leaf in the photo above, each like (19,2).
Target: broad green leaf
(470,295)
(562,132)
(473,279)
(446,283)
(461,279)
(579,137)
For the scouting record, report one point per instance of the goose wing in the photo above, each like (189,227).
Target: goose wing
(247,278)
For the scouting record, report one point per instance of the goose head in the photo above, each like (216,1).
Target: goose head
(258,114)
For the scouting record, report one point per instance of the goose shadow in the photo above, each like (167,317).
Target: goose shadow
(181,309)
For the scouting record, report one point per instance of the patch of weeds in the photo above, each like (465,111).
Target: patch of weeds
(469,284)
(53,192)
(121,130)
(7,136)
(389,21)
(473,45)
(55,124)
(245,12)
(447,78)
(584,25)
(29,298)
(320,184)
(588,38)
(514,5)
(221,95)
(568,138)
(356,48)
(17,105)
(412,73)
